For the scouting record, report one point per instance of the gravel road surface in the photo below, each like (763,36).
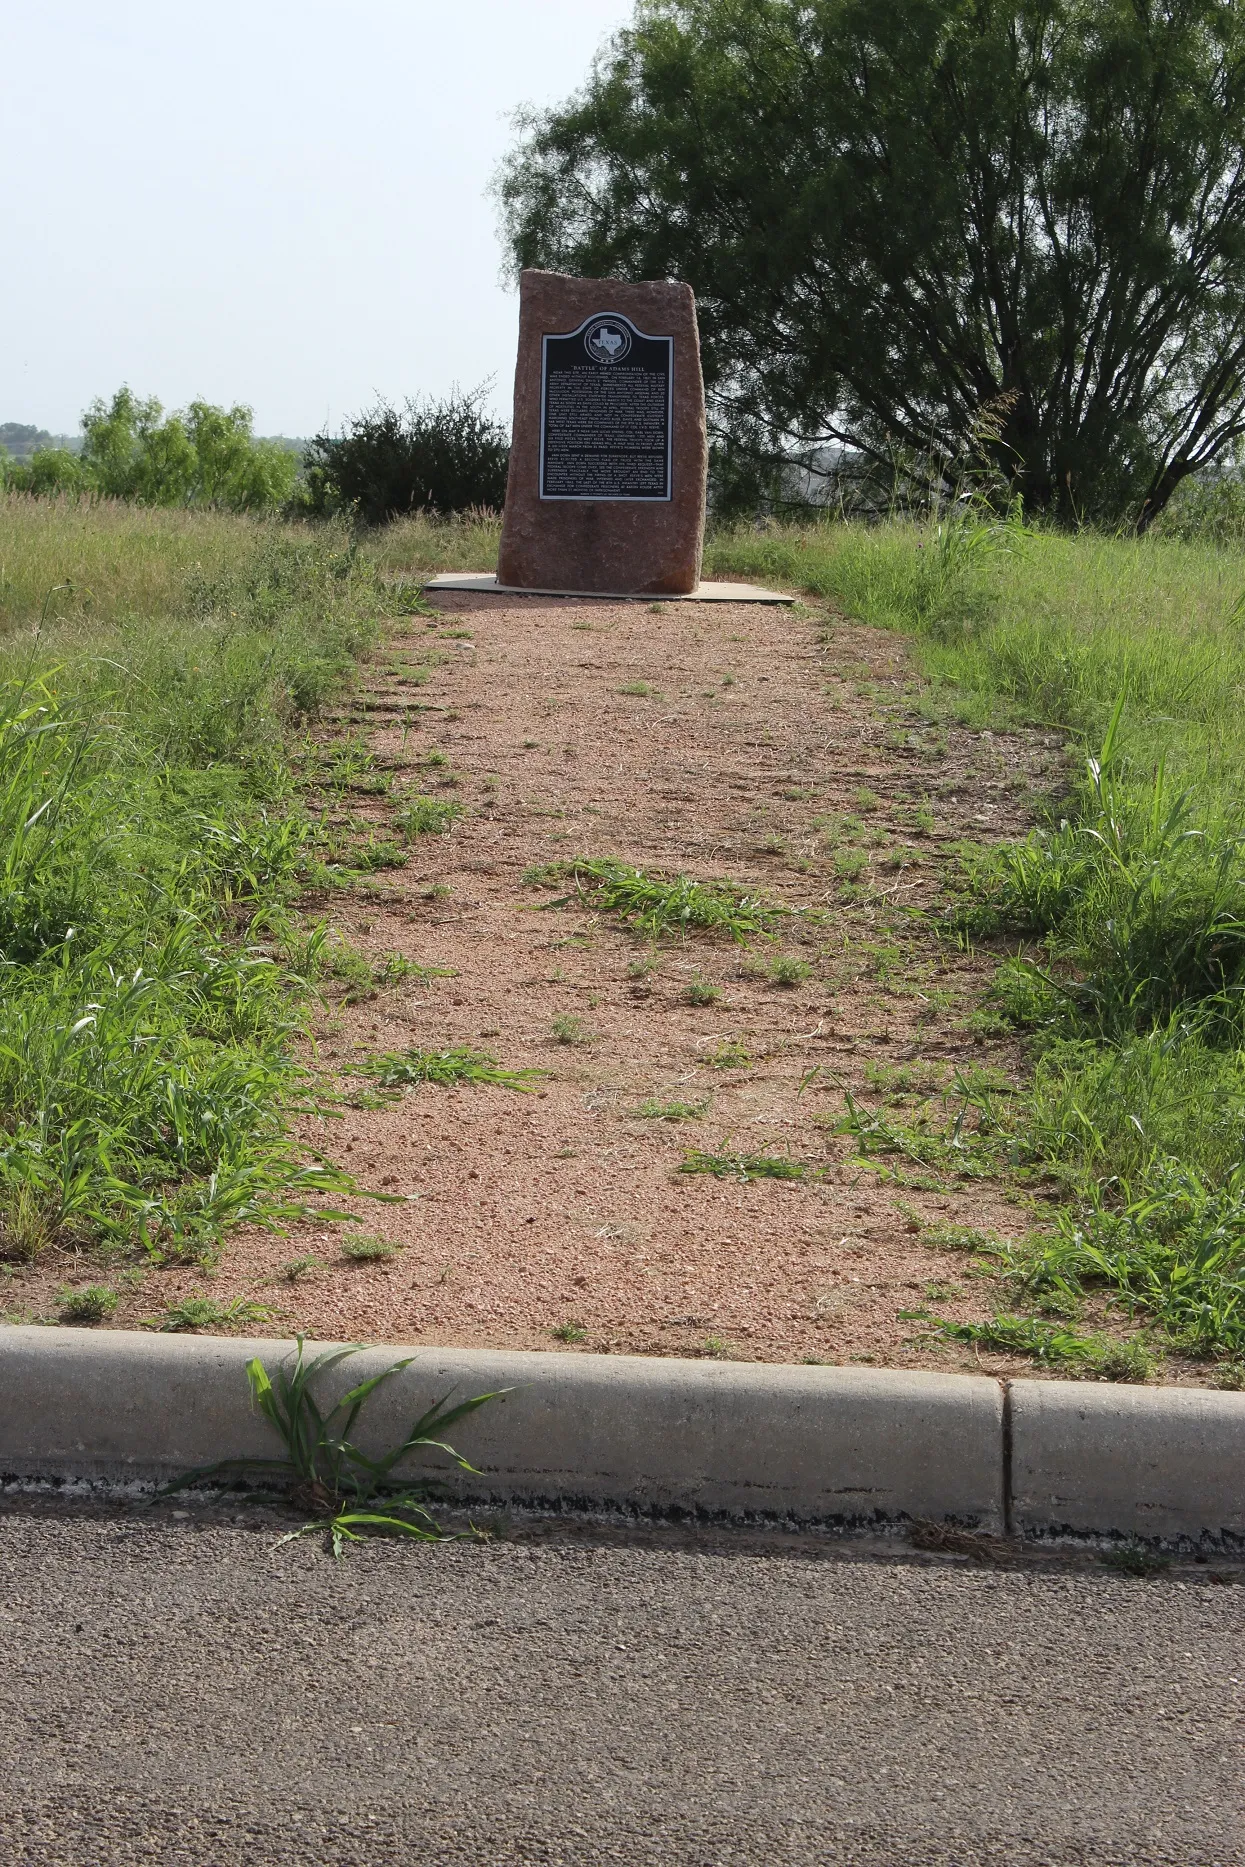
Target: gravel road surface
(182,1690)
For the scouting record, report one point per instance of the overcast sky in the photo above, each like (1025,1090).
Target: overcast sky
(280,202)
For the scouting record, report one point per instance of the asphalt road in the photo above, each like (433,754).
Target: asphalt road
(181,1690)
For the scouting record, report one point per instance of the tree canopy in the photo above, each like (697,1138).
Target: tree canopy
(1015,226)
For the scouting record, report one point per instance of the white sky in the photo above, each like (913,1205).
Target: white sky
(280,202)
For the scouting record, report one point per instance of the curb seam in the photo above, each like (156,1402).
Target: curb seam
(1008,1525)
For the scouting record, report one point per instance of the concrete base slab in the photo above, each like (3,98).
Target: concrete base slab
(704,593)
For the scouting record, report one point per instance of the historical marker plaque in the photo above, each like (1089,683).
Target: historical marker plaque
(606,490)
(606,401)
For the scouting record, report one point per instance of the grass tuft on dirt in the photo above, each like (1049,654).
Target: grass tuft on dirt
(407,1069)
(658,907)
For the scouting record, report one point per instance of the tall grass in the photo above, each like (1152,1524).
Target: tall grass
(1051,627)
(466,542)
(153,667)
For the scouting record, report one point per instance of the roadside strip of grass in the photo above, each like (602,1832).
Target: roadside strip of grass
(156,671)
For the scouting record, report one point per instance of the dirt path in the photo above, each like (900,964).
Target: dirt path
(719,741)
(731,741)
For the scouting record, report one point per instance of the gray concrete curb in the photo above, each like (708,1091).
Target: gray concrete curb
(823,1445)
(1155,1462)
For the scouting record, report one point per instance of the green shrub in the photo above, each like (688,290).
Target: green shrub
(436,457)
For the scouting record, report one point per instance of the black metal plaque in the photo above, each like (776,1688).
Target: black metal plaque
(605,412)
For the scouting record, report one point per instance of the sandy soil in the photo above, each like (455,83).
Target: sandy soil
(731,741)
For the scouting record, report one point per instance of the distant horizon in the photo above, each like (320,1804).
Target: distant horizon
(273,209)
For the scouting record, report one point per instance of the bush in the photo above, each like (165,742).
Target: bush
(49,471)
(200,456)
(436,457)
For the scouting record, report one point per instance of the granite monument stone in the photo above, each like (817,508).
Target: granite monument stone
(606,492)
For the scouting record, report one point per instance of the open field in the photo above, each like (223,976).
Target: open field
(845,1132)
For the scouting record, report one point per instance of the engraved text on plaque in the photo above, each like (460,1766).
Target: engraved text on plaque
(605,415)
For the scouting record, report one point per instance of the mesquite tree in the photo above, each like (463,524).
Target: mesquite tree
(1000,229)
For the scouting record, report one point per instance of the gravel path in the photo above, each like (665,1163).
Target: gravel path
(185,1692)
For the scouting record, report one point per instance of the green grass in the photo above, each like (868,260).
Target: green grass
(657,906)
(1127,902)
(407,1069)
(428,816)
(157,673)
(1098,1357)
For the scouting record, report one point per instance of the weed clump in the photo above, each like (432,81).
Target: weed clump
(656,907)
(569,1332)
(195,1313)
(1096,1357)
(568,1029)
(428,816)
(744,1166)
(407,1069)
(654,1109)
(89,1304)
(366,1248)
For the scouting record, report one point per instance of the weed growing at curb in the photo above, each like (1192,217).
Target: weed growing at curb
(1135,1558)
(352,1496)
(569,1332)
